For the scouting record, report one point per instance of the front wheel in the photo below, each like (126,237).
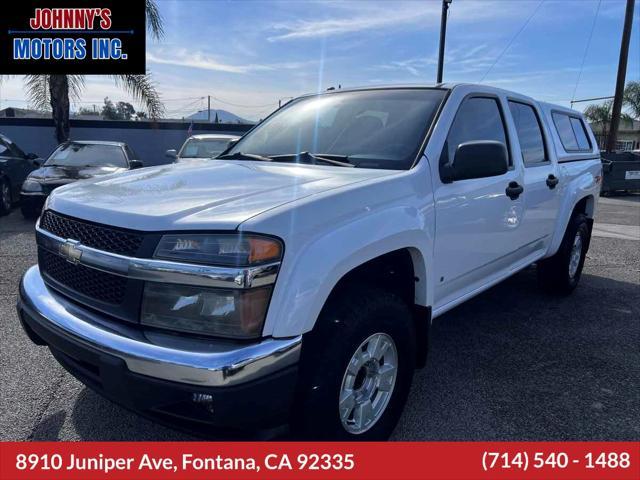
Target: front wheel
(356,368)
(5,197)
(561,273)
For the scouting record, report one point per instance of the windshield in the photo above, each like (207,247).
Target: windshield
(87,155)
(203,147)
(372,129)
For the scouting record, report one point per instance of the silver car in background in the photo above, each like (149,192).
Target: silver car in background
(202,147)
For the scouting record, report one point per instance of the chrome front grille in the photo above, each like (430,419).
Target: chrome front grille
(98,285)
(95,236)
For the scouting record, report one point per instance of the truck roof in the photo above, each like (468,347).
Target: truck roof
(98,142)
(450,86)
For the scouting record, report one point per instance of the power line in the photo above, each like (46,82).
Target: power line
(512,40)
(586,50)
(244,106)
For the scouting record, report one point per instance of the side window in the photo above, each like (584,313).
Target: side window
(581,135)
(529,131)
(130,153)
(479,118)
(572,133)
(3,148)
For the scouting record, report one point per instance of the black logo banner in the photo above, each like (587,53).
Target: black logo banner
(73,37)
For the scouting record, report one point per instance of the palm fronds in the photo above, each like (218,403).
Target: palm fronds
(142,89)
(632,98)
(155,23)
(37,89)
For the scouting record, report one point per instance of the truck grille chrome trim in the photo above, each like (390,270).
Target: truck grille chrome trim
(152,270)
(192,361)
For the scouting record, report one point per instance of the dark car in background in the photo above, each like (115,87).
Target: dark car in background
(73,161)
(15,165)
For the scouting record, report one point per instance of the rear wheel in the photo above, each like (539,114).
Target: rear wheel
(5,197)
(561,273)
(356,368)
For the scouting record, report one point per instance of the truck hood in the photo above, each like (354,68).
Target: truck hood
(219,195)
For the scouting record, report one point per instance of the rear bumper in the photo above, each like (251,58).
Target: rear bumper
(176,380)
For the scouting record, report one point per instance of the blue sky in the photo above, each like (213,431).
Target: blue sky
(249,54)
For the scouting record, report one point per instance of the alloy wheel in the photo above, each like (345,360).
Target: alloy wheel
(368,383)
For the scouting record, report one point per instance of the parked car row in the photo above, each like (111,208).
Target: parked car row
(15,166)
(30,179)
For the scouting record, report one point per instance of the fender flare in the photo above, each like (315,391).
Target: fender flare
(566,212)
(311,274)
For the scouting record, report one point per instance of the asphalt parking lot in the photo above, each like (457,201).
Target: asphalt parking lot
(511,364)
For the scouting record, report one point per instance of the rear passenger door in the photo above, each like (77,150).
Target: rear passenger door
(541,182)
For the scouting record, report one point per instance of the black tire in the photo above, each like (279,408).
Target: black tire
(556,274)
(348,320)
(5,197)
(29,213)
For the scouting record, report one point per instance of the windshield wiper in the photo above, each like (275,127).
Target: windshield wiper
(314,158)
(244,156)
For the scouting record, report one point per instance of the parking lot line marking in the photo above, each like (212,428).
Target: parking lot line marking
(610,230)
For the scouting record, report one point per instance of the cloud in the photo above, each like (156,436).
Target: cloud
(459,61)
(202,61)
(356,17)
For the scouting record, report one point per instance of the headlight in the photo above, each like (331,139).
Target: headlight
(31,186)
(226,313)
(221,250)
(232,313)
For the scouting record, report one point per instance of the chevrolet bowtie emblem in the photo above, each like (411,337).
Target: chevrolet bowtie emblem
(69,250)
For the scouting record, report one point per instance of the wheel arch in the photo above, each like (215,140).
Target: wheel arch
(402,272)
(584,204)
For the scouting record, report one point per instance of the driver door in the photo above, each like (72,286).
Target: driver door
(478,234)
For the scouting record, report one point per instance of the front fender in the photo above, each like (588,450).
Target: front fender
(315,261)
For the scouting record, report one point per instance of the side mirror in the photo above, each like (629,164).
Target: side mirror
(133,164)
(172,153)
(479,159)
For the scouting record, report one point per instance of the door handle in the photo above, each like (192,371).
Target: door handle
(552,181)
(514,190)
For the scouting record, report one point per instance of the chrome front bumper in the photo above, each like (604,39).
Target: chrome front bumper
(200,362)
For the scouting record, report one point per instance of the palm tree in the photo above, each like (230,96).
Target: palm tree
(632,98)
(55,91)
(600,115)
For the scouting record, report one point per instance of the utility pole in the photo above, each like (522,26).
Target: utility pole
(443,35)
(622,73)
(208,108)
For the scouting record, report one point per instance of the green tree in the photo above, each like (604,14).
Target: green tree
(55,91)
(109,111)
(125,110)
(632,98)
(599,114)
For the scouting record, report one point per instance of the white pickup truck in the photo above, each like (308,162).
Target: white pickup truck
(293,280)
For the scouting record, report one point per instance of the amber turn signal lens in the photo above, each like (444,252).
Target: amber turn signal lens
(264,249)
